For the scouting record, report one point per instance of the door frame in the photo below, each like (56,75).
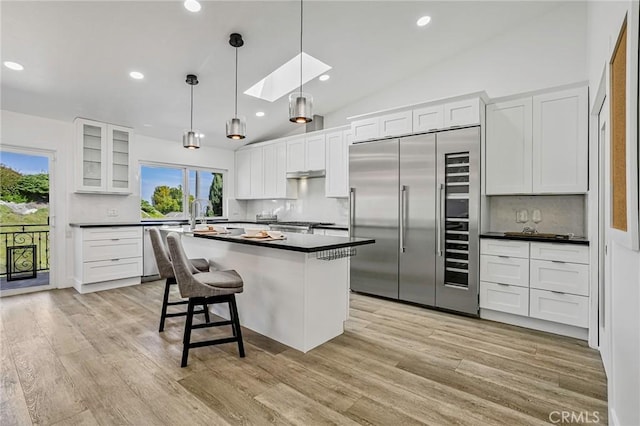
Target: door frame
(53,270)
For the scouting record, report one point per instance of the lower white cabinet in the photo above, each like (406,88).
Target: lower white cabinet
(107,257)
(550,283)
(559,307)
(504,297)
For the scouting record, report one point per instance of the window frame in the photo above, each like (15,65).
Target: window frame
(185,169)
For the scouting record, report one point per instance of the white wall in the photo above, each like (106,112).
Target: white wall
(31,132)
(604,20)
(548,51)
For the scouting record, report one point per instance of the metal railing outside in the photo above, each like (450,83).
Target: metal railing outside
(24,250)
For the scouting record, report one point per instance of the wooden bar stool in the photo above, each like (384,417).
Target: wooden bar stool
(163,260)
(205,287)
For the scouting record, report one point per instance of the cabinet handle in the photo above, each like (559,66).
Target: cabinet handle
(403,212)
(557,292)
(115,260)
(558,261)
(503,284)
(115,239)
(503,257)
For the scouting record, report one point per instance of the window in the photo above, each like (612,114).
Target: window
(168,192)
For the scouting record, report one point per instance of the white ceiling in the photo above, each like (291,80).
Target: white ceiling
(78,54)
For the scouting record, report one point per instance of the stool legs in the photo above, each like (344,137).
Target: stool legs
(165,304)
(234,322)
(165,300)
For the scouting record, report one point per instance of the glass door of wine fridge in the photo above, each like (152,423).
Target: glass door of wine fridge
(458,200)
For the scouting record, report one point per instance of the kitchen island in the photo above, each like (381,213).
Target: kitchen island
(296,290)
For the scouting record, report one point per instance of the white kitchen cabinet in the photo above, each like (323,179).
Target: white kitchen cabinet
(504,298)
(336,232)
(560,142)
(337,164)
(539,144)
(465,112)
(103,160)
(306,153)
(257,173)
(243,174)
(428,118)
(315,152)
(399,123)
(296,155)
(365,129)
(107,257)
(555,285)
(559,307)
(508,147)
(276,184)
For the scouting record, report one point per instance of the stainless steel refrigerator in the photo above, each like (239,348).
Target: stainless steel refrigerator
(419,198)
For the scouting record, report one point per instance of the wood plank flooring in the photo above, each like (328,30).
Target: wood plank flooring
(97,359)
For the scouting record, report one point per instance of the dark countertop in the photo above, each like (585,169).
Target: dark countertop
(305,243)
(181,222)
(501,236)
(336,227)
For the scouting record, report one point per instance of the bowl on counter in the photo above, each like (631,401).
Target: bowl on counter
(220,228)
(275,234)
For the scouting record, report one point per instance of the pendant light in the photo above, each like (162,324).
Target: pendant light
(191,138)
(300,103)
(237,126)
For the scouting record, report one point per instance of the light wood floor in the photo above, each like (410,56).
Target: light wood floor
(70,359)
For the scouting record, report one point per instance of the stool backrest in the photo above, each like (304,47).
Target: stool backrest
(163,260)
(181,266)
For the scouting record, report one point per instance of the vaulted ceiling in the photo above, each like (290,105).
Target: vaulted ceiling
(78,54)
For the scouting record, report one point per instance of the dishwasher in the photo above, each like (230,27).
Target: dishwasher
(149,267)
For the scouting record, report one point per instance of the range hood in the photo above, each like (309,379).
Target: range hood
(306,174)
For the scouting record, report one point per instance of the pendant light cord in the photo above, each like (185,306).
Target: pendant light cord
(301,46)
(236,106)
(192,107)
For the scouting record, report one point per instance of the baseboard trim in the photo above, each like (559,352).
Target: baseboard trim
(104,285)
(535,324)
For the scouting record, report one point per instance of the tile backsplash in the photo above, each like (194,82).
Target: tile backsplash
(560,214)
(311,205)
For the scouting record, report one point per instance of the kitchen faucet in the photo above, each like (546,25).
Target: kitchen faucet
(196,206)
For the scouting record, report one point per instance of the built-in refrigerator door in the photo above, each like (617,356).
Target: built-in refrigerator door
(373,197)
(458,186)
(418,219)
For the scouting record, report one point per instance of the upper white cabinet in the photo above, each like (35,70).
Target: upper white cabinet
(560,145)
(509,138)
(261,172)
(276,184)
(104,163)
(306,153)
(462,113)
(538,145)
(428,118)
(337,178)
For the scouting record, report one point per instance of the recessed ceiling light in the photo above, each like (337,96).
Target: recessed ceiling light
(13,66)
(324,77)
(423,21)
(260,114)
(137,75)
(192,5)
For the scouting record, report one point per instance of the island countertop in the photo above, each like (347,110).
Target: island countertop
(304,243)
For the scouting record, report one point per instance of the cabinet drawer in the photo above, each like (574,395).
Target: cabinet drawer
(504,270)
(504,298)
(106,270)
(565,277)
(110,249)
(504,248)
(563,308)
(111,233)
(561,252)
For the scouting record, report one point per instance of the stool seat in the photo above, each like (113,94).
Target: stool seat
(200,264)
(220,279)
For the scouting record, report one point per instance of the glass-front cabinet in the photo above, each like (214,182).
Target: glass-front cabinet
(104,163)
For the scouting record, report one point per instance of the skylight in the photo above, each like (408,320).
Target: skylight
(286,78)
